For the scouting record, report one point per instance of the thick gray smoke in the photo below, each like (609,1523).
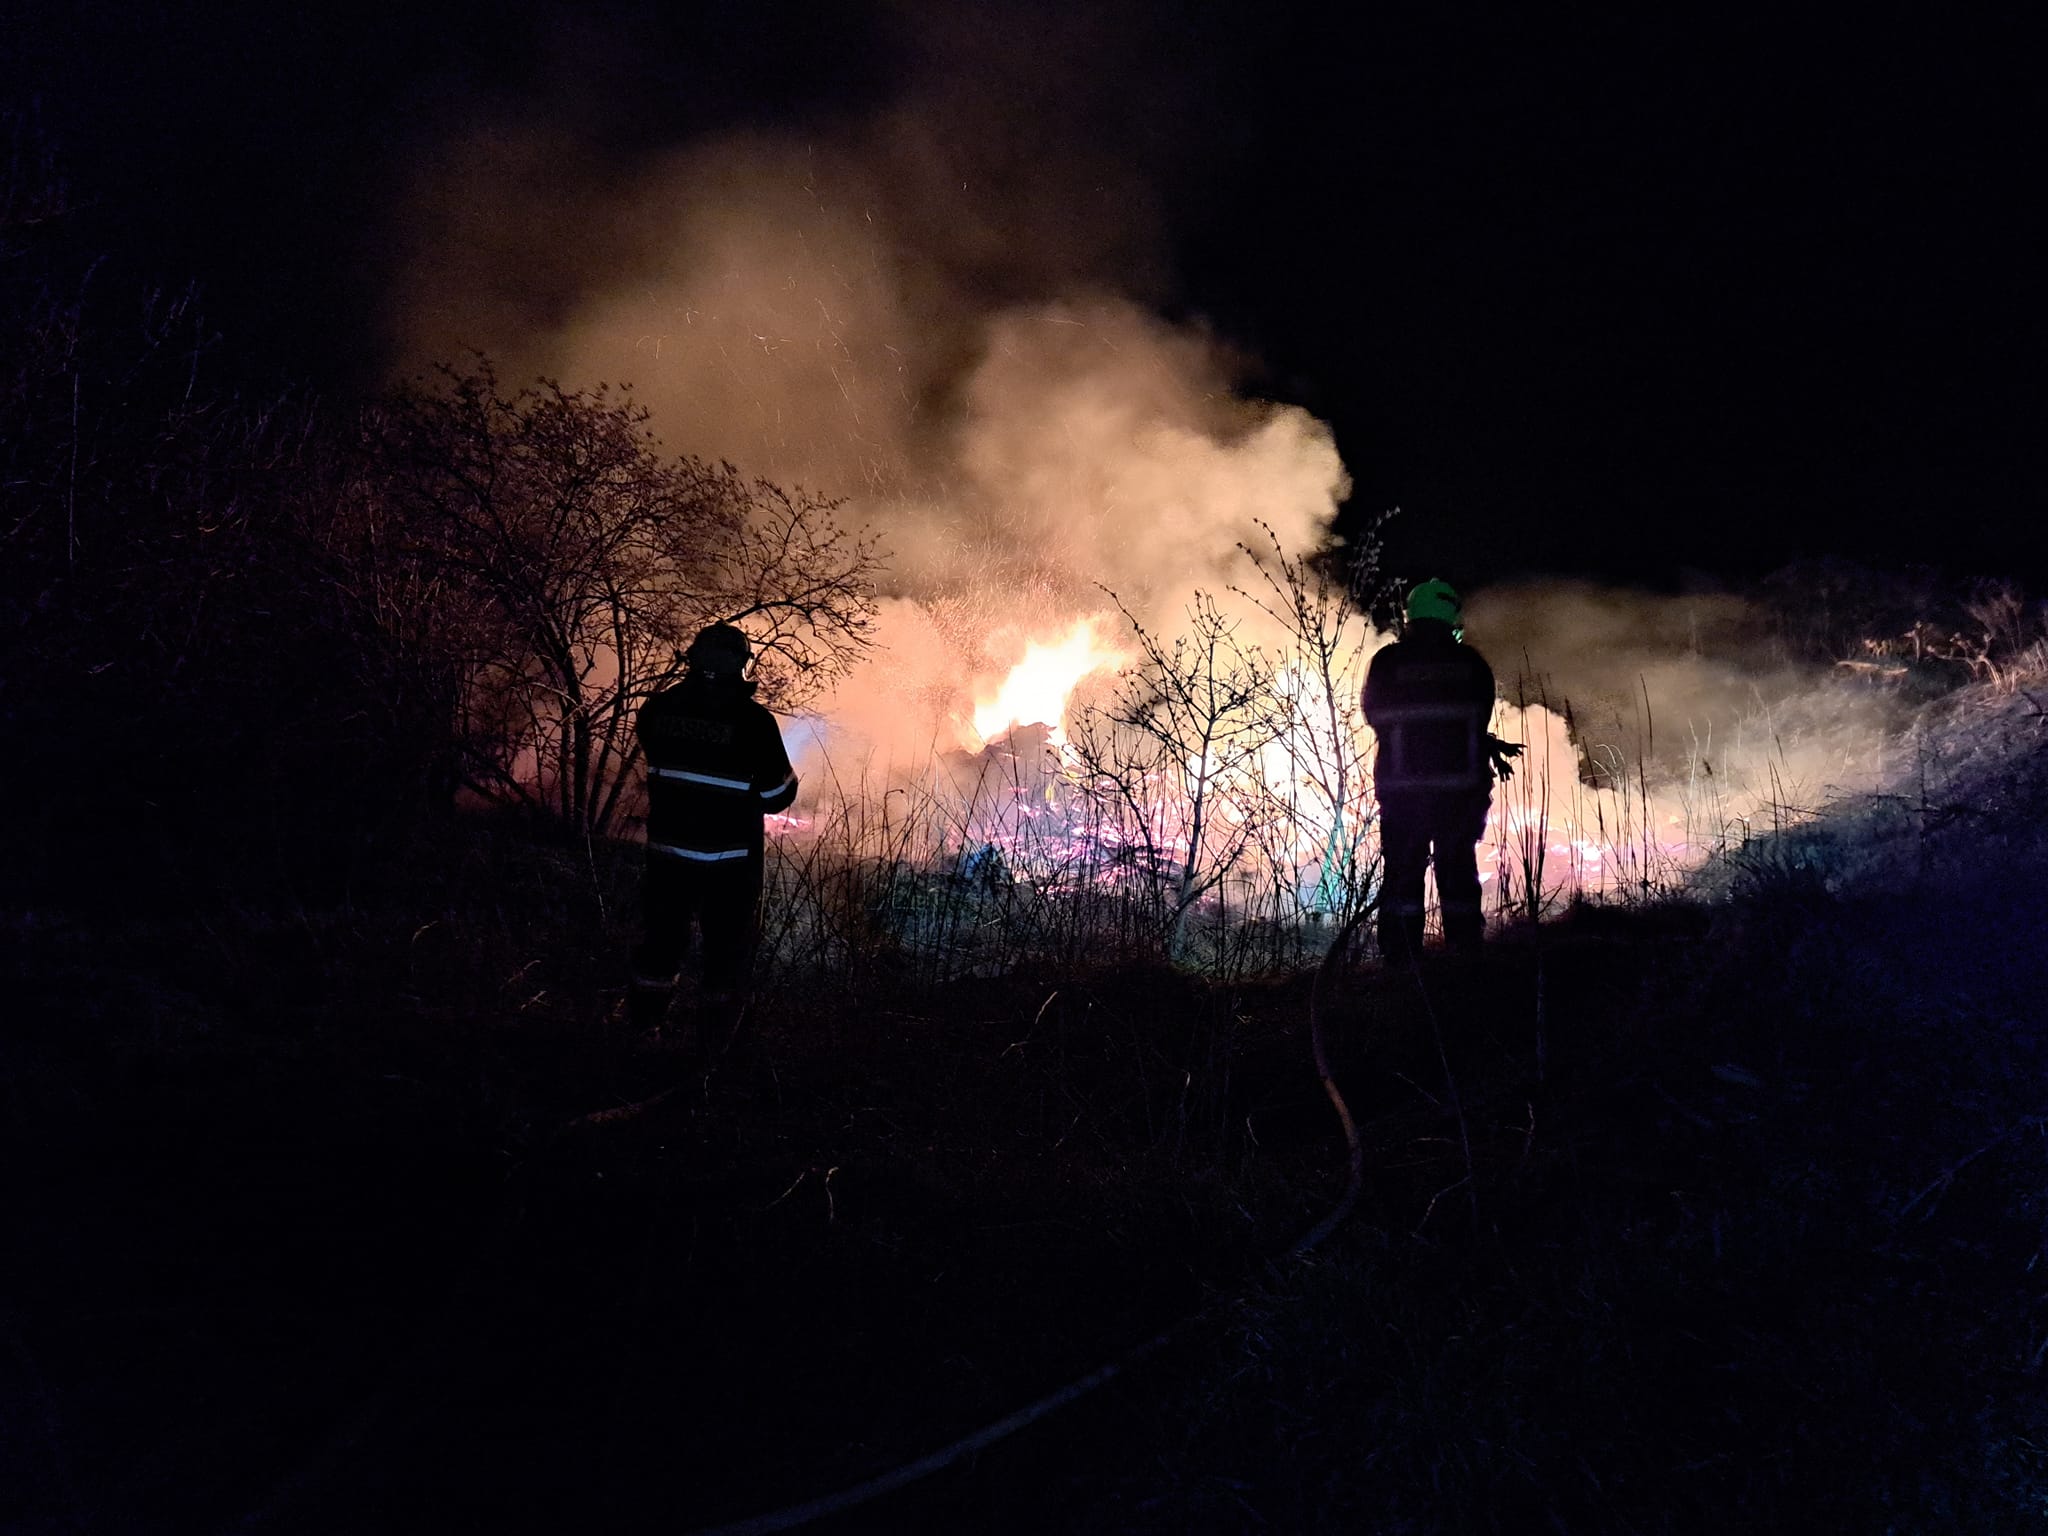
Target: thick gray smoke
(1684,681)
(937,309)
(808,302)
(783,327)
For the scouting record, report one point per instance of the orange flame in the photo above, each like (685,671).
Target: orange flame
(1036,689)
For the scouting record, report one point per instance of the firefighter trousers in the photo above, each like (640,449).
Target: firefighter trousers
(721,899)
(1413,826)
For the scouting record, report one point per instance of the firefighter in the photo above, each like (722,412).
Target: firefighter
(715,766)
(1429,699)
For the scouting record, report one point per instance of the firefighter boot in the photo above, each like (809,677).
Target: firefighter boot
(721,1028)
(647,1005)
(1464,928)
(1400,936)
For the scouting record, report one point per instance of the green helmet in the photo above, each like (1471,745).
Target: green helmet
(1438,600)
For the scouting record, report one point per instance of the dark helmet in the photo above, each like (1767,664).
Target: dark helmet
(721,650)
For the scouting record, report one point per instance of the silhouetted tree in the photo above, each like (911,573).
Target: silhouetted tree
(1173,747)
(151,588)
(560,561)
(1325,795)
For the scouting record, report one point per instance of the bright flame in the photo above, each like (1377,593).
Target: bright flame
(1278,815)
(1038,687)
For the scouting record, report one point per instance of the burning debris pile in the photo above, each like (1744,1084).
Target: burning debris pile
(1223,780)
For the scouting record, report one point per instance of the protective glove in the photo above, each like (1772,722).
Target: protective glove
(1500,752)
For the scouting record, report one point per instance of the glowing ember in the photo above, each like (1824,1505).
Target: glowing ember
(1038,687)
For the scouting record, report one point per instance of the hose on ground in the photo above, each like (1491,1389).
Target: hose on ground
(792,1516)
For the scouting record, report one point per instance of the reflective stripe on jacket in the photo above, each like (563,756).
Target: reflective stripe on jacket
(715,766)
(1429,700)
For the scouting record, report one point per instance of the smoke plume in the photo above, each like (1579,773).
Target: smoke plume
(935,311)
(939,310)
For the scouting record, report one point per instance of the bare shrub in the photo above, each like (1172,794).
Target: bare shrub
(578,560)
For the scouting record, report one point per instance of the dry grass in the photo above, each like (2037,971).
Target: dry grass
(375,1217)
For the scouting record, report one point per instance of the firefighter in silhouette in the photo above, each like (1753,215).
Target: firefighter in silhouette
(1429,699)
(715,766)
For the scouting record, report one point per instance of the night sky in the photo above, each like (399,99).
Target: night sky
(1667,300)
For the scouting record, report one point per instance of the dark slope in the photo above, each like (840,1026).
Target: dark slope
(1718,1216)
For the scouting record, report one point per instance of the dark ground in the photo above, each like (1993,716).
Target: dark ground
(311,1229)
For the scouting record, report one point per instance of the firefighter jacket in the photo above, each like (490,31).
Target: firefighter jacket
(1429,700)
(715,766)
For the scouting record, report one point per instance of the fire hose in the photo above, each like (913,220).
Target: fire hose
(791,1516)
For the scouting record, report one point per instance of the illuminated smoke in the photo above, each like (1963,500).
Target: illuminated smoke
(1673,731)
(1013,457)
(968,368)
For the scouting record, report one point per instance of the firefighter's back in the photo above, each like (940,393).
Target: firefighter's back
(715,766)
(1429,699)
